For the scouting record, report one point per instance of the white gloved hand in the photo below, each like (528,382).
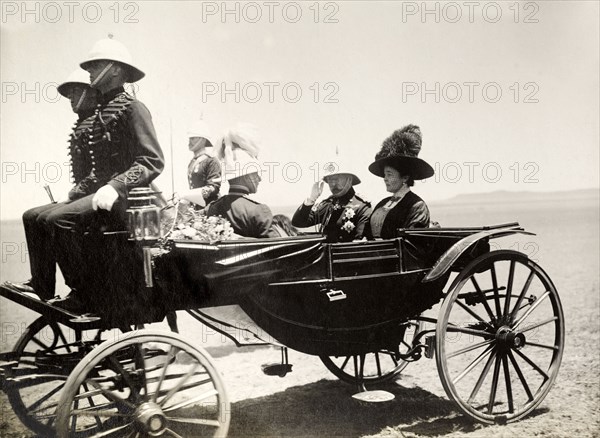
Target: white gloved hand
(104,198)
(315,192)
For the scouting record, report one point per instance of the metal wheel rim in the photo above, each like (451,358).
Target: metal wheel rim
(501,358)
(124,419)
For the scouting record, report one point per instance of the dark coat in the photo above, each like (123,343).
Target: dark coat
(119,147)
(248,218)
(410,212)
(331,215)
(204,172)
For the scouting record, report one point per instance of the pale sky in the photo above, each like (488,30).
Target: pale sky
(363,69)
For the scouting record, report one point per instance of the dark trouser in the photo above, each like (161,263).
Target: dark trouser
(40,243)
(68,223)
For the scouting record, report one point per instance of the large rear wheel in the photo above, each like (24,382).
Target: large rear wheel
(500,337)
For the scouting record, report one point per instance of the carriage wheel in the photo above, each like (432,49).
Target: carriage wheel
(379,366)
(500,337)
(149,383)
(46,352)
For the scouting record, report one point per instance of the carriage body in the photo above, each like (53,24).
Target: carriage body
(349,303)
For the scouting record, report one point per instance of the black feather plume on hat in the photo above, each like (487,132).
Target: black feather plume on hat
(404,141)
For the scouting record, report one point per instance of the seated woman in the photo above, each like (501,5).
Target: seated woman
(343,216)
(397,163)
(238,150)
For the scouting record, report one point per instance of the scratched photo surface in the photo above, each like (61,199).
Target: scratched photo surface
(505,95)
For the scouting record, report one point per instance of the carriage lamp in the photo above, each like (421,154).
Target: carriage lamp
(143,224)
(143,217)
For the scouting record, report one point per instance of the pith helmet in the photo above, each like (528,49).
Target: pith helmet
(77,77)
(200,129)
(400,151)
(339,165)
(109,49)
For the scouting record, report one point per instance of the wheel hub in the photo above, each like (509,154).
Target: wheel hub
(150,419)
(508,338)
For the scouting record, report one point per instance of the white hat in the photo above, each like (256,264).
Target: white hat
(238,150)
(112,50)
(200,129)
(77,77)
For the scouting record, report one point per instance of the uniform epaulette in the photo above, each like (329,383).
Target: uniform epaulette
(368,203)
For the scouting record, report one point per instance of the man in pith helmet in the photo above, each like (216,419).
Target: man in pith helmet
(38,233)
(204,170)
(123,153)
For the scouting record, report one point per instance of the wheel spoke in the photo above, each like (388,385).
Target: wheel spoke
(488,309)
(41,344)
(191,401)
(473,364)
(173,433)
(109,395)
(535,367)
(509,287)
(547,347)
(471,312)
(115,432)
(494,383)
(482,376)
(511,407)
(33,406)
(62,337)
(531,309)
(470,331)
(126,377)
(379,373)
(170,356)
(177,387)
(520,374)
(345,363)
(469,348)
(515,310)
(195,421)
(539,324)
(496,291)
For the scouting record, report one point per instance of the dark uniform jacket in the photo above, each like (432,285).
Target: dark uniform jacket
(410,212)
(204,172)
(248,218)
(117,145)
(342,219)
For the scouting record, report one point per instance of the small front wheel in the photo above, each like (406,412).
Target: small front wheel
(147,384)
(500,337)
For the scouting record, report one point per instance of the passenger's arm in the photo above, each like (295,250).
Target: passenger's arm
(418,216)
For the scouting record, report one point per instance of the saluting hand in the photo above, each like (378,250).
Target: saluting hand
(316,191)
(104,198)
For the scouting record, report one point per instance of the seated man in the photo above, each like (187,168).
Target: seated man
(122,152)
(238,151)
(39,235)
(204,170)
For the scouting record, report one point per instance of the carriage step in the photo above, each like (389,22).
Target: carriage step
(374,396)
(429,347)
(276,369)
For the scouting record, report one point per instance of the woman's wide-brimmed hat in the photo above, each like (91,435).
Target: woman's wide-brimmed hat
(400,151)
(77,78)
(238,150)
(110,49)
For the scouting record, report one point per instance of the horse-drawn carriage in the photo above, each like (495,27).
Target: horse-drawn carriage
(359,306)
